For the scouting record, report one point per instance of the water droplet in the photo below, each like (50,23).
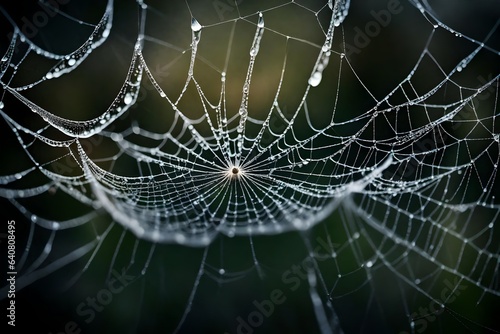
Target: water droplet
(127,99)
(116,137)
(260,24)
(1,105)
(315,79)
(71,62)
(195,25)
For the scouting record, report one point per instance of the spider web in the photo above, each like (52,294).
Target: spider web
(329,125)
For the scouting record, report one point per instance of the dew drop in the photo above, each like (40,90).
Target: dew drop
(195,25)
(116,137)
(128,99)
(315,79)
(260,24)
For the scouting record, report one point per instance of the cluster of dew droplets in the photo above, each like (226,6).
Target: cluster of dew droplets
(196,29)
(6,59)
(243,110)
(84,129)
(340,11)
(68,63)
(71,61)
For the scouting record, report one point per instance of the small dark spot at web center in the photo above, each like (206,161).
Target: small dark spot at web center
(235,170)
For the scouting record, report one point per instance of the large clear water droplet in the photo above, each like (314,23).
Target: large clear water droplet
(260,24)
(195,25)
(315,79)
(128,99)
